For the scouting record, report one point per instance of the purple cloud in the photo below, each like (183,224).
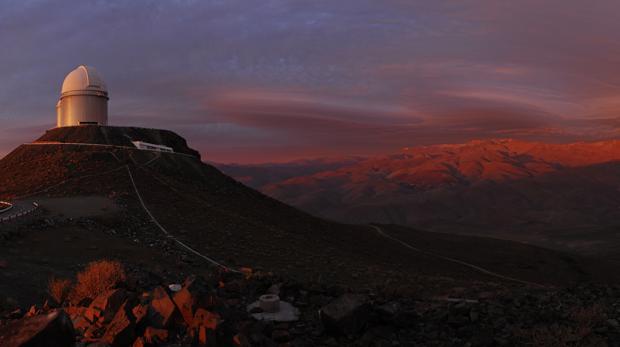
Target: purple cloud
(284,79)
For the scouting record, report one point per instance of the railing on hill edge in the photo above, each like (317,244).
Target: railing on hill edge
(35,206)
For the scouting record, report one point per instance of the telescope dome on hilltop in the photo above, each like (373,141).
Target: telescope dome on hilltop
(84,78)
(83,99)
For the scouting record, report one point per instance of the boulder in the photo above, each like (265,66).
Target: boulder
(155,336)
(346,315)
(281,335)
(206,337)
(241,340)
(194,294)
(139,342)
(140,313)
(92,314)
(203,327)
(394,313)
(120,331)
(74,311)
(94,331)
(81,324)
(33,311)
(53,329)
(108,304)
(162,310)
(206,319)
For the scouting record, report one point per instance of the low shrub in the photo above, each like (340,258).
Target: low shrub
(98,277)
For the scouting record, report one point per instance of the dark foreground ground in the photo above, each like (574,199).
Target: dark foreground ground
(330,315)
(445,309)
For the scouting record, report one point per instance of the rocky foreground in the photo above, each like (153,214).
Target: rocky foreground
(214,311)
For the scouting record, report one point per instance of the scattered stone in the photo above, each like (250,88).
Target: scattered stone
(162,310)
(346,315)
(195,294)
(139,342)
(206,336)
(204,318)
(120,331)
(33,311)
(107,304)
(140,313)
(155,336)
(81,324)
(92,314)
(280,335)
(389,312)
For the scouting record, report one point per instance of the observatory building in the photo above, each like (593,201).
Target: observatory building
(83,100)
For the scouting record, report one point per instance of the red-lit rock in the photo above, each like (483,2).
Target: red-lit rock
(81,324)
(206,337)
(53,329)
(203,326)
(162,310)
(140,313)
(33,311)
(195,294)
(206,319)
(139,342)
(92,314)
(108,303)
(154,335)
(94,331)
(120,331)
(241,340)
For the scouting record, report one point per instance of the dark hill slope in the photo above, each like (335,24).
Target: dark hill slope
(237,225)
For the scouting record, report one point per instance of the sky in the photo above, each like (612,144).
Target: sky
(275,80)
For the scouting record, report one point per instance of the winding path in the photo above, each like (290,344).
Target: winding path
(166,233)
(453,260)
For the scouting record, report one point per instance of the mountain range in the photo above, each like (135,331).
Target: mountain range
(564,196)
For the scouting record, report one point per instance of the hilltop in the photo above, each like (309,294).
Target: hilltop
(118,136)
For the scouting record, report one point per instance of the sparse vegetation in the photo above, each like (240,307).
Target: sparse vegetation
(59,289)
(98,277)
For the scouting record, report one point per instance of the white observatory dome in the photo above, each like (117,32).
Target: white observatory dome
(83,99)
(84,78)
